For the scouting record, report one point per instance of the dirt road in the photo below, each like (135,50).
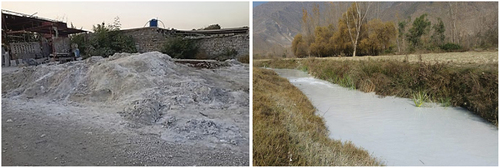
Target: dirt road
(47,121)
(37,134)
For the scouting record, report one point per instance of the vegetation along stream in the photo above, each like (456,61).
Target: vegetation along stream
(396,131)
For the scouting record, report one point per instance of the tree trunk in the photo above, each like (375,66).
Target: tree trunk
(354,53)
(453,13)
(399,47)
(357,25)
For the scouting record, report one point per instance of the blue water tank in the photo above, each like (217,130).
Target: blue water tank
(153,23)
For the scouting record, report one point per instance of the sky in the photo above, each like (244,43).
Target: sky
(178,15)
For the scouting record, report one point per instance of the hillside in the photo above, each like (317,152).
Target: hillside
(276,23)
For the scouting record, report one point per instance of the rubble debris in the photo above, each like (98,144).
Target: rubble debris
(150,90)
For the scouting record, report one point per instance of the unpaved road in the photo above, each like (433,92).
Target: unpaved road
(38,135)
(185,117)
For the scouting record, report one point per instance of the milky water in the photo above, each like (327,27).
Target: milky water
(395,131)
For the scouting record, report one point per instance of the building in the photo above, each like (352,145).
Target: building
(28,38)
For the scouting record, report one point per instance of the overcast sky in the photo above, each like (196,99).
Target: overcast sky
(178,15)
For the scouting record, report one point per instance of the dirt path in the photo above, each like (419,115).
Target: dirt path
(150,112)
(37,134)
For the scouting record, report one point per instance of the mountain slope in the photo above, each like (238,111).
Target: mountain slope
(276,23)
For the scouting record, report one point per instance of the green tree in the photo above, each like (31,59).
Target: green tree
(438,36)
(116,25)
(212,27)
(104,41)
(402,33)
(421,26)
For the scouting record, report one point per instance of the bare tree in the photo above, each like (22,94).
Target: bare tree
(453,15)
(316,16)
(306,23)
(358,16)
(330,13)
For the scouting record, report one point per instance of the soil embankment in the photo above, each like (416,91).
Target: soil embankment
(128,109)
(286,131)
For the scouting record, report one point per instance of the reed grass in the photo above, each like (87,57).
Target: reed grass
(419,98)
(471,86)
(287,132)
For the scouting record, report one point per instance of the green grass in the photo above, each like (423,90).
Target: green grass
(287,132)
(304,68)
(419,98)
(345,81)
(445,102)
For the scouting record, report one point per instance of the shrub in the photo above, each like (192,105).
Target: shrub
(82,41)
(228,53)
(105,41)
(178,47)
(244,59)
(212,27)
(449,47)
(202,54)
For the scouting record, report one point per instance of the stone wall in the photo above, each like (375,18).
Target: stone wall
(147,39)
(215,46)
(212,46)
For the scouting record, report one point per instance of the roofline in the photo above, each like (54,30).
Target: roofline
(8,12)
(232,28)
(214,31)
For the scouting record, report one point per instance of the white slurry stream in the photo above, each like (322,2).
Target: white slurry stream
(397,132)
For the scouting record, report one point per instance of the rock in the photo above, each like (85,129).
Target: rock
(9,120)
(43,135)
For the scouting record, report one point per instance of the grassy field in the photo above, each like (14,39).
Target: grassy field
(286,131)
(457,58)
(469,79)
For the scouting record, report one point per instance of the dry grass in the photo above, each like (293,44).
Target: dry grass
(244,59)
(473,86)
(470,57)
(288,133)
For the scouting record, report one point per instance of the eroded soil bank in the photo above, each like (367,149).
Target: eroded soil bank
(128,109)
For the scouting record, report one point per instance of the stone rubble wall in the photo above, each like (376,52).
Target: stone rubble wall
(147,39)
(215,46)
(152,39)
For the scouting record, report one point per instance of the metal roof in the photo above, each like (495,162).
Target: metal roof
(14,22)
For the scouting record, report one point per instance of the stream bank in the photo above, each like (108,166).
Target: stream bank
(396,131)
